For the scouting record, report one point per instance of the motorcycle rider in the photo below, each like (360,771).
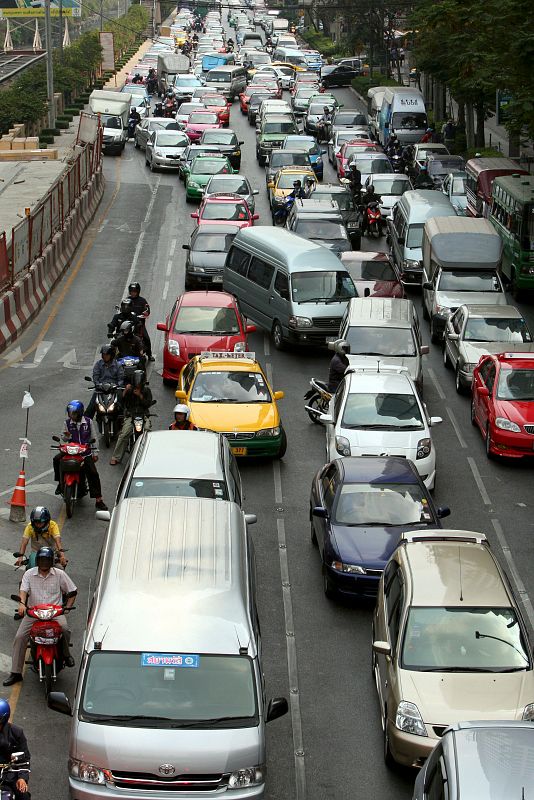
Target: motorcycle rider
(181,419)
(309,186)
(423,180)
(13,740)
(368,197)
(152,81)
(125,313)
(41,530)
(106,370)
(42,584)
(127,343)
(80,429)
(427,136)
(133,121)
(141,309)
(355,182)
(338,365)
(391,145)
(137,78)
(323,125)
(158,110)
(136,400)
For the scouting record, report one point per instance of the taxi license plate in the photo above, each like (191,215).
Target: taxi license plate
(239,451)
(217,279)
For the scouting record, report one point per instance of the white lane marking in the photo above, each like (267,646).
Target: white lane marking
(479,482)
(436,383)
(165,290)
(103,225)
(525,599)
(456,427)
(292,667)
(5,662)
(266,345)
(41,351)
(32,480)
(13,356)
(140,241)
(6,557)
(68,359)
(278,496)
(8,607)
(169,269)
(172,248)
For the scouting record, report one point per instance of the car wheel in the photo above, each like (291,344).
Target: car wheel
(313,535)
(425,312)
(460,388)
(283,445)
(434,336)
(278,336)
(388,758)
(328,589)
(488,443)
(136,144)
(473,415)
(446,362)
(170,382)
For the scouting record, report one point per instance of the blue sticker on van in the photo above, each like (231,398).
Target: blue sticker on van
(169,660)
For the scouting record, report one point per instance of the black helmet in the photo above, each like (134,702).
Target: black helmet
(45,554)
(138,377)
(370,187)
(297,184)
(354,167)
(40,519)
(136,287)
(126,328)
(126,305)
(107,350)
(5,712)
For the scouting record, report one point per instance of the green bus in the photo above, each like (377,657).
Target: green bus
(512,214)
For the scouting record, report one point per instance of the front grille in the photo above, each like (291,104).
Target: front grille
(439,730)
(141,781)
(373,455)
(236,436)
(213,270)
(332,324)
(374,573)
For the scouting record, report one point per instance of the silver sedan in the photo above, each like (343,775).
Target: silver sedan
(164,149)
(149,124)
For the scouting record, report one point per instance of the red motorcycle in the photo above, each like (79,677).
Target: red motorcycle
(72,480)
(46,645)
(374,220)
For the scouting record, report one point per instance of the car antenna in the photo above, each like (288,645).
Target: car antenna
(460,566)
(378,366)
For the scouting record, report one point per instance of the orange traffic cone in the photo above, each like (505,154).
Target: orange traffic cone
(18,500)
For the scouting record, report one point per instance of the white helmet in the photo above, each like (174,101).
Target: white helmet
(181,408)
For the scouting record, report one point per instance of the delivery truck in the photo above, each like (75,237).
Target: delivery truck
(113,109)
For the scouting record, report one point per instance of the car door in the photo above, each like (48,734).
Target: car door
(326,492)
(149,149)
(393,607)
(485,377)
(335,410)
(141,134)
(454,325)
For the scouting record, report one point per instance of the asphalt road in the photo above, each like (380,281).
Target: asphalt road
(332,741)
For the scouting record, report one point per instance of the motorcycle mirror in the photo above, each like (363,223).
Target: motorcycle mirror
(58,701)
(87,378)
(251,519)
(56,438)
(16,598)
(103,516)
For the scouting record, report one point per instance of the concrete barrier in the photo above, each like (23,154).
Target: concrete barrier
(21,304)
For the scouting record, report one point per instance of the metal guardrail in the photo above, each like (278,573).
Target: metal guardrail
(15,61)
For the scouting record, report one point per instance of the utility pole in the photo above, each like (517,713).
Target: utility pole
(61,31)
(49,66)
(101,15)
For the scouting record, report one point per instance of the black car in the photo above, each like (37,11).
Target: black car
(352,217)
(254,104)
(227,142)
(359,508)
(338,75)
(319,222)
(206,254)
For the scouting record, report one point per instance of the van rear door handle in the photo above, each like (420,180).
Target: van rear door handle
(271,298)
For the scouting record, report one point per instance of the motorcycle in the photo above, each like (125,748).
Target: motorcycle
(281,214)
(72,479)
(17,763)
(46,645)
(374,219)
(132,125)
(170,108)
(318,398)
(107,410)
(138,427)
(397,162)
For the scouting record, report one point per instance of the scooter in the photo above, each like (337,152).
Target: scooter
(18,763)
(132,125)
(72,480)
(374,220)
(397,162)
(46,641)
(282,213)
(318,398)
(138,427)
(107,410)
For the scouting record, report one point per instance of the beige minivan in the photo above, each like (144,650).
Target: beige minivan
(229,81)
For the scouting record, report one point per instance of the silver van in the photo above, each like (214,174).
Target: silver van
(405,229)
(170,696)
(293,288)
(384,329)
(229,81)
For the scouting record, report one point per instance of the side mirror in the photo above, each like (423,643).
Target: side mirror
(241,141)
(427,284)
(453,337)
(326,419)
(382,648)
(319,511)
(194,215)
(270,185)
(58,701)
(186,247)
(277,708)
(425,350)
(435,421)
(250,329)
(255,216)
(443,511)
(278,395)
(161,326)
(255,191)
(483,391)
(180,394)
(251,519)
(56,439)
(103,516)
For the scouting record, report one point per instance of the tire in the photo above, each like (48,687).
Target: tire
(136,144)
(313,535)
(278,336)
(328,590)
(460,388)
(315,402)
(426,315)
(489,454)
(434,337)
(283,445)
(446,363)
(69,501)
(473,417)
(107,434)
(389,761)
(48,679)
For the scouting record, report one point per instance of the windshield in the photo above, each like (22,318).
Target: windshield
(382,411)
(213,101)
(350,136)
(372,271)
(382,504)
(306,93)
(308,145)
(287,159)
(196,690)
(260,58)
(170,139)
(423,152)
(414,235)
(469,281)
(111,122)
(458,187)
(392,186)
(257,98)
(318,108)
(343,199)
(219,137)
(187,108)
(443,167)
(225,211)
(237,185)
(369,166)
(320,229)
(527,227)
(515,384)
(188,80)
(176,487)
(206,166)
(349,118)
(309,287)
(230,387)
(412,121)
(463,640)
(218,77)
(197,118)
(381,341)
(206,319)
(213,242)
(279,127)
(287,179)
(497,330)
(137,89)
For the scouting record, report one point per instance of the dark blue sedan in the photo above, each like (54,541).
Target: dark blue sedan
(359,507)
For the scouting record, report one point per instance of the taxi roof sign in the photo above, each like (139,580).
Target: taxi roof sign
(227,354)
(523,356)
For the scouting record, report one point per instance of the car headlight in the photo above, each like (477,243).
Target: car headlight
(528,712)
(89,773)
(342,446)
(409,720)
(424,446)
(353,569)
(191,184)
(173,347)
(442,310)
(199,270)
(117,136)
(264,432)
(507,425)
(250,776)
(239,347)
(468,367)
(300,322)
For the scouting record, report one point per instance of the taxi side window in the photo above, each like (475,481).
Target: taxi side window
(238,261)
(187,376)
(281,285)
(260,273)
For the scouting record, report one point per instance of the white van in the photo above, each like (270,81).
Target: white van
(403,112)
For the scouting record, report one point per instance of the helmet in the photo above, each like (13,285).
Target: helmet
(126,305)
(138,377)
(429,130)
(75,407)
(40,519)
(354,167)
(44,554)
(107,350)
(126,328)
(370,187)
(181,409)
(5,711)
(136,287)
(297,184)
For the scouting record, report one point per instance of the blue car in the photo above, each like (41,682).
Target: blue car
(309,144)
(359,507)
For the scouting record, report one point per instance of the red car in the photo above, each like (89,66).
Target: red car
(245,96)
(200,121)
(201,321)
(348,149)
(373,274)
(219,105)
(217,208)
(502,403)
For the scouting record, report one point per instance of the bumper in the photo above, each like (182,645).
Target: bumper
(311,337)
(194,192)
(511,445)
(407,749)
(165,163)
(268,447)
(113,147)
(203,281)
(87,791)
(348,585)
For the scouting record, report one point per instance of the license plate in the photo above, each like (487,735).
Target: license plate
(331,339)
(239,451)
(217,279)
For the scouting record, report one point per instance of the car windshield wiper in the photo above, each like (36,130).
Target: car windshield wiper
(313,300)
(456,669)
(479,635)
(127,718)
(372,427)
(208,723)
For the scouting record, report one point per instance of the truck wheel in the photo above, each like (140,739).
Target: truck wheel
(278,336)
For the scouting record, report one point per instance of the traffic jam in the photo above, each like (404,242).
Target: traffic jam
(315,227)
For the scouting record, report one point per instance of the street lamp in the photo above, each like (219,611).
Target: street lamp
(49,67)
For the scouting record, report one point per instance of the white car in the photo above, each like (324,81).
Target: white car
(286,75)
(379,413)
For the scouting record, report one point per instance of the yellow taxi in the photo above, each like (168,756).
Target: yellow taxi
(283,184)
(228,392)
(180,37)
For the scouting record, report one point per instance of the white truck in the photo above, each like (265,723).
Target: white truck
(113,109)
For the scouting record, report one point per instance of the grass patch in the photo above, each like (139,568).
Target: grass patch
(324,44)
(45,139)
(363,83)
(483,152)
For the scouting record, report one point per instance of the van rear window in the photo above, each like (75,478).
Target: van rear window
(176,487)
